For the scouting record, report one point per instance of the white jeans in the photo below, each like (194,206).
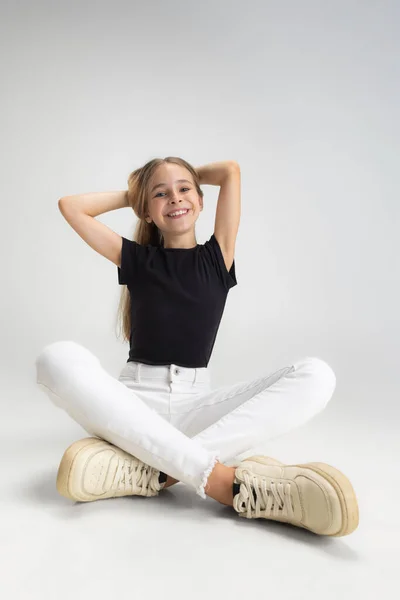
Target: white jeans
(170,417)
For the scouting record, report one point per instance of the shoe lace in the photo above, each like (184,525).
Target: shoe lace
(259,497)
(136,477)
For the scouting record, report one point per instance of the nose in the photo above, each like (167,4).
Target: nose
(175,200)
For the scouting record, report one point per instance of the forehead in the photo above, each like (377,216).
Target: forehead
(171,171)
(169,175)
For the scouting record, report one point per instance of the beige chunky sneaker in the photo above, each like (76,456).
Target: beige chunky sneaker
(314,496)
(93,469)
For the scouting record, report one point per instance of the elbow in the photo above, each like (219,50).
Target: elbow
(234,165)
(63,205)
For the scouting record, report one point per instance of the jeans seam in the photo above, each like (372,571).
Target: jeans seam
(251,385)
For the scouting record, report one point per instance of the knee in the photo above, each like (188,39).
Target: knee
(322,376)
(58,354)
(321,369)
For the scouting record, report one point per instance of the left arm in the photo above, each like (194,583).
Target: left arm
(227,176)
(214,173)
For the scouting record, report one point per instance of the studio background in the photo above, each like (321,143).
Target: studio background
(305,96)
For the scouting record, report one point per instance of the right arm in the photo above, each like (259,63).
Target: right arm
(80,212)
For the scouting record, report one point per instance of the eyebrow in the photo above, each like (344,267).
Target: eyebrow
(162,184)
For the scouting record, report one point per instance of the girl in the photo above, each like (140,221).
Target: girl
(162,421)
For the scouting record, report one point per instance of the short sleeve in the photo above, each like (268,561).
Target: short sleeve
(228,277)
(129,257)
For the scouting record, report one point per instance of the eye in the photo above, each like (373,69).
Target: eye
(164,192)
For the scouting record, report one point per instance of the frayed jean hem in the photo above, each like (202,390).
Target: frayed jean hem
(200,490)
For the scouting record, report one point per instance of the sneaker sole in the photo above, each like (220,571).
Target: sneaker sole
(66,464)
(342,486)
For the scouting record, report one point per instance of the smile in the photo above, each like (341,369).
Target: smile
(179,214)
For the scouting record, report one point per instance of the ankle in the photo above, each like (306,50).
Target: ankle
(170,481)
(220,484)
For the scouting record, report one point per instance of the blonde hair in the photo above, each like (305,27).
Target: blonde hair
(145,233)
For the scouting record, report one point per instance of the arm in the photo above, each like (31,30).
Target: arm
(227,218)
(80,211)
(96,203)
(215,173)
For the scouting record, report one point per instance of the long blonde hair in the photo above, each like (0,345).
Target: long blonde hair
(145,233)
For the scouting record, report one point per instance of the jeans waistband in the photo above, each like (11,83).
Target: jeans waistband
(170,373)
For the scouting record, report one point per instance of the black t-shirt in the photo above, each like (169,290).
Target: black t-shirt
(178,297)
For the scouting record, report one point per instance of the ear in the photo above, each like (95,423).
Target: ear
(147,216)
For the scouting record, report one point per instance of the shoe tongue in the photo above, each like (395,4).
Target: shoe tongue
(236,490)
(162,478)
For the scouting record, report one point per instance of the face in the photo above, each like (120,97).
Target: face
(167,194)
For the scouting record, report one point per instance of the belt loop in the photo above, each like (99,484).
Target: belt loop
(195,375)
(138,372)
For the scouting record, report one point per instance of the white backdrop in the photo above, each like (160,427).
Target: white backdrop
(305,96)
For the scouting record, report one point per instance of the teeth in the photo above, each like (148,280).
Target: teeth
(179,212)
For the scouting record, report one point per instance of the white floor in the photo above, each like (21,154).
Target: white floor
(178,545)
